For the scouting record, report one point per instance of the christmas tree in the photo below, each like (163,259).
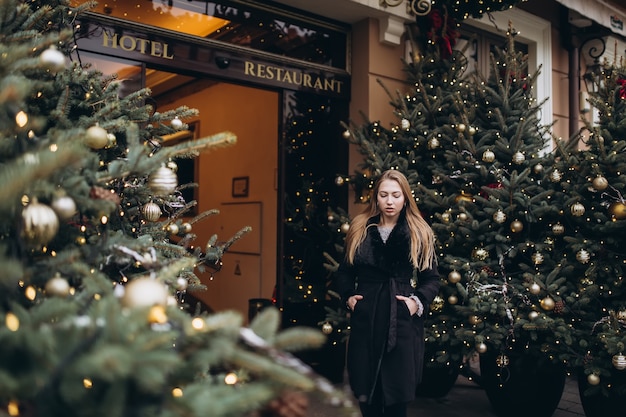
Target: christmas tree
(589,169)
(98,251)
(472,149)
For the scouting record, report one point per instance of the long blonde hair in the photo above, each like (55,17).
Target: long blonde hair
(422,254)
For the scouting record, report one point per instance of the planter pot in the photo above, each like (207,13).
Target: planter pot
(528,386)
(597,404)
(437,380)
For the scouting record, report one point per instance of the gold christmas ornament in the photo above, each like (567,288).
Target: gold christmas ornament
(173,229)
(558,229)
(39,223)
(462,217)
(600,183)
(518,158)
(57,286)
(96,137)
(618,210)
(433,143)
(537,258)
(593,379)
(454,277)
(186,227)
(535,288)
(583,256)
(489,156)
(538,169)
(339,181)
(547,304)
(453,299)
(151,211)
(533,315)
(345,227)
(327,328)
(481,347)
(52,59)
(64,206)
(621,315)
(577,209)
(464,197)
(144,292)
(445,217)
(502,361)
(111,140)
(517,226)
(555,175)
(176,123)
(460,127)
(499,217)
(471,130)
(437,304)
(474,319)
(480,254)
(157,315)
(163,181)
(346,134)
(619,362)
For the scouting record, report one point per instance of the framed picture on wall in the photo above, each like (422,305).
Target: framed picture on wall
(240,186)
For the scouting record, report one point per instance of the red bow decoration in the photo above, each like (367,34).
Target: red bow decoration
(443,32)
(622,90)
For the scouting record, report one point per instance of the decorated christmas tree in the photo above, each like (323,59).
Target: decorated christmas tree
(589,170)
(98,251)
(473,150)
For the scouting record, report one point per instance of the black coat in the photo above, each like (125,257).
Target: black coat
(382,347)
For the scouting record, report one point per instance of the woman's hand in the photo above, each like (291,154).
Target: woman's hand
(413,304)
(352,300)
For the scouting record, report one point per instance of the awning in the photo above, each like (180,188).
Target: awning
(602,12)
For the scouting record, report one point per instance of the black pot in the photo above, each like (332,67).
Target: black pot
(597,404)
(528,386)
(437,380)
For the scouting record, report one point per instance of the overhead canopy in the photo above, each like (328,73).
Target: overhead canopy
(602,12)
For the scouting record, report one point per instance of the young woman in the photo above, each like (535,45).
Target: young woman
(387,279)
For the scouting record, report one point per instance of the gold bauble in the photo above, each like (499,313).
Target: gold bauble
(577,209)
(537,258)
(96,137)
(58,286)
(502,361)
(345,227)
(445,217)
(533,315)
(173,228)
(454,277)
(621,315)
(538,169)
(346,134)
(327,328)
(39,223)
(437,304)
(600,183)
(474,319)
(163,181)
(489,156)
(453,299)
(462,216)
(472,130)
(593,379)
(64,206)
(535,288)
(518,158)
(480,254)
(618,210)
(547,303)
(555,175)
(433,143)
(516,226)
(583,256)
(145,292)
(460,127)
(499,217)
(558,229)
(481,347)
(151,211)
(619,362)
(186,227)
(157,315)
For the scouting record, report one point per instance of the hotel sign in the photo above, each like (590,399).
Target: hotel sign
(213,59)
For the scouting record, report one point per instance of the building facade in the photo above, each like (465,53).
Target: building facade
(283,76)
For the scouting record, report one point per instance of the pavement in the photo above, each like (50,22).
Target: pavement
(465,399)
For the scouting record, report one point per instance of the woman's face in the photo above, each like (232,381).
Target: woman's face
(390,199)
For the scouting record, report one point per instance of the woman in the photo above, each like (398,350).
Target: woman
(387,279)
